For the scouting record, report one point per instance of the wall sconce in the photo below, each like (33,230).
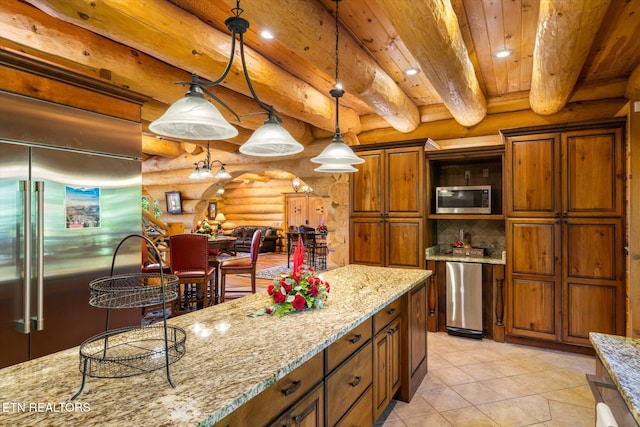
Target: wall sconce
(220,192)
(295,183)
(204,171)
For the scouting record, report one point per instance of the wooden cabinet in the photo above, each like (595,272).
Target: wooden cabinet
(386,357)
(304,209)
(297,388)
(387,208)
(565,228)
(413,350)
(309,412)
(347,383)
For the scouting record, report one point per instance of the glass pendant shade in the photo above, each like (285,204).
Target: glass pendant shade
(222,173)
(201,173)
(193,117)
(271,139)
(335,168)
(337,153)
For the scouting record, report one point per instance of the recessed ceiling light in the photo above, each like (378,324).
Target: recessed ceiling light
(266,34)
(503,53)
(411,71)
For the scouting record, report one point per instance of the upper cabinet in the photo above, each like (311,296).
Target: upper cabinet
(571,174)
(463,168)
(387,208)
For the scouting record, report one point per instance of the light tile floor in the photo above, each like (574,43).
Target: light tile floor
(484,383)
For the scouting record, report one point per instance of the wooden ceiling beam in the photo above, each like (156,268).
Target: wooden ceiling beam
(566,31)
(308,30)
(430,30)
(27,29)
(171,34)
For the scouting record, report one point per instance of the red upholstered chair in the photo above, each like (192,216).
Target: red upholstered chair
(189,260)
(242,265)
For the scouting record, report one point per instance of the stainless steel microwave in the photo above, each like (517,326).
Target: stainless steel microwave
(468,199)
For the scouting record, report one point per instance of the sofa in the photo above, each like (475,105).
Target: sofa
(244,234)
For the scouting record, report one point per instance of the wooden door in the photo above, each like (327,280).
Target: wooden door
(533,178)
(367,198)
(593,278)
(367,241)
(404,178)
(593,173)
(404,243)
(296,206)
(315,211)
(533,281)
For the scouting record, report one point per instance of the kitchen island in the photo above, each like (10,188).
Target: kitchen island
(620,357)
(230,359)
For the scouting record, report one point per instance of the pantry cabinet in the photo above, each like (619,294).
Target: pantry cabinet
(387,208)
(565,228)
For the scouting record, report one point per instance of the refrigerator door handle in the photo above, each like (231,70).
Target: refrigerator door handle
(24,325)
(39,320)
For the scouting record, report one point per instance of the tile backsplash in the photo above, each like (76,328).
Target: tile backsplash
(489,234)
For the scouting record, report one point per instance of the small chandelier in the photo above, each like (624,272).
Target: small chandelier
(193,117)
(337,156)
(203,169)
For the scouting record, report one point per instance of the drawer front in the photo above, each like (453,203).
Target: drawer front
(278,396)
(360,414)
(340,350)
(348,382)
(386,315)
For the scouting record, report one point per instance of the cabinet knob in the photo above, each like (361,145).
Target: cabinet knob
(391,311)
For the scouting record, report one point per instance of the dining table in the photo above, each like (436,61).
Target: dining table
(217,244)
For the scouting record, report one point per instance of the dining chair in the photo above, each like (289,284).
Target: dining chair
(189,261)
(242,265)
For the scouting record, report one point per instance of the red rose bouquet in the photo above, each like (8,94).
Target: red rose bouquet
(203,227)
(295,291)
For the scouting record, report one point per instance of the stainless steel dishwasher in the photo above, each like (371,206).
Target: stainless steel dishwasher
(464,299)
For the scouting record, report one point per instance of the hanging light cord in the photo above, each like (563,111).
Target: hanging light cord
(337,91)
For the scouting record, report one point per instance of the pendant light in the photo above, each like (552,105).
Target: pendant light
(193,117)
(203,169)
(337,153)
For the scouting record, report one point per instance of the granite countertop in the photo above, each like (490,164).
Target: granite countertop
(229,359)
(493,256)
(621,358)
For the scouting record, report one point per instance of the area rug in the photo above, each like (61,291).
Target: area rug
(273,272)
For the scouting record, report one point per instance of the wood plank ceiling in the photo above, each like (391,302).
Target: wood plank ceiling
(563,51)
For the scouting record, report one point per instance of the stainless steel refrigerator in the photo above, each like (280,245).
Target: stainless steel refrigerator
(63,210)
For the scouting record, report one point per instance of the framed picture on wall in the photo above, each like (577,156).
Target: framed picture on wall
(174,202)
(213,210)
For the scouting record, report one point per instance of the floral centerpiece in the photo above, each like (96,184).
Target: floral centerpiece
(297,290)
(322,227)
(203,227)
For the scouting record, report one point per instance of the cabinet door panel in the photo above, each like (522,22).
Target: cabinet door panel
(533,179)
(296,211)
(404,243)
(592,250)
(589,308)
(366,241)
(366,185)
(405,168)
(534,307)
(533,246)
(594,173)
(381,386)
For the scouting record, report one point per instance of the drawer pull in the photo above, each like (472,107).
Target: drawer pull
(392,331)
(355,382)
(356,338)
(391,311)
(292,389)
